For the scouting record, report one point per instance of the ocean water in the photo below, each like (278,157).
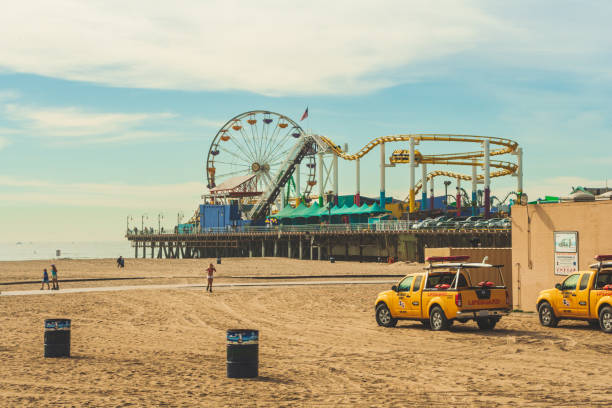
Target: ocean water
(22,251)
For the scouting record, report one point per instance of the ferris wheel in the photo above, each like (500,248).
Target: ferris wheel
(250,148)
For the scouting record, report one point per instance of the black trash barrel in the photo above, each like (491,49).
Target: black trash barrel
(57,338)
(242,353)
(332,259)
(218,260)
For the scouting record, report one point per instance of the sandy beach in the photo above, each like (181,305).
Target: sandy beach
(319,345)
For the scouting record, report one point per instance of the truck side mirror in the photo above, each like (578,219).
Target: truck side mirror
(558,286)
(394,288)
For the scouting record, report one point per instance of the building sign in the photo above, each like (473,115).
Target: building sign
(566,242)
(566,252)
(566,264)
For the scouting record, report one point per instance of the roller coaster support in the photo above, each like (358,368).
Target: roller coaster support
(474,187)
(321,181)
(382,174)
(298,190)
(487,179)
(358,182)
(519,171)
(424,183)
(458,198)
(335,168)
(412,169)
(432,196)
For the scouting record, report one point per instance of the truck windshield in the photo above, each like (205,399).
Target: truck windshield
(469,277)
(444,278)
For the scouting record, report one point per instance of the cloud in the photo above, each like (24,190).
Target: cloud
(214,124)
(279,48)
(268,47)
(73,122)
(70,125)
(8,94)
(3,142)
(27,191)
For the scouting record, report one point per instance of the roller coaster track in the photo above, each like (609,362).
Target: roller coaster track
(419,185)
(309,144)
(507,169)
(504,145)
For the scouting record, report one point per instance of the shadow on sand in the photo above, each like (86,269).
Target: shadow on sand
(459,328)
(272,380)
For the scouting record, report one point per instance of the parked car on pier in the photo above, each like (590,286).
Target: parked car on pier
(469,222)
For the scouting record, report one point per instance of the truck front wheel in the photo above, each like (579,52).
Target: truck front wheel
(383,316)
(547,315)
(605,319)
(437,319)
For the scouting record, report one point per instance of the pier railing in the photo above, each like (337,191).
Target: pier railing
(392,225)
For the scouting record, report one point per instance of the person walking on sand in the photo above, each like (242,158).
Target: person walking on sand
(54,277)
(45,279)
(211,269)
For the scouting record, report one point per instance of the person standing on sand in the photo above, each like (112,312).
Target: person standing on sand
(45,279)
(54,277)
(211,269)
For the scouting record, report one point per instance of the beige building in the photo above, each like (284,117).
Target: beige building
(549,241)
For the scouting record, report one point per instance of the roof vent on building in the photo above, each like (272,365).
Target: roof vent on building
(580,196)
(605,196)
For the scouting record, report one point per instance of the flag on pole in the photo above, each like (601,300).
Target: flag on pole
(305,115)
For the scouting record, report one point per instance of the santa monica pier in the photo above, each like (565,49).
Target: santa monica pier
(273,190)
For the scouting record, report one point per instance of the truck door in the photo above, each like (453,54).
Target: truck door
(403,298)
(582,296)
(566,302)
(414,306)
(602,279)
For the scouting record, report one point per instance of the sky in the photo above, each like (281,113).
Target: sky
(108,108)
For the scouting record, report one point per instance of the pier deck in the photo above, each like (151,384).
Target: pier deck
(361,244)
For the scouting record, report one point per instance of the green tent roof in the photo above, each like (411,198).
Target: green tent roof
(284,213)
(339,210)
(302,211)
(323,211)
(359,210)
(298,211)
(312,211)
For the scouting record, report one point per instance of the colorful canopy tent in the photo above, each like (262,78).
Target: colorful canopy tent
(301,213)
(284,213)
(339,210)
(312,211)
(294,215)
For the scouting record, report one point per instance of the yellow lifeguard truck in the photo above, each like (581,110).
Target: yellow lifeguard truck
(586,295)
(446,292)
